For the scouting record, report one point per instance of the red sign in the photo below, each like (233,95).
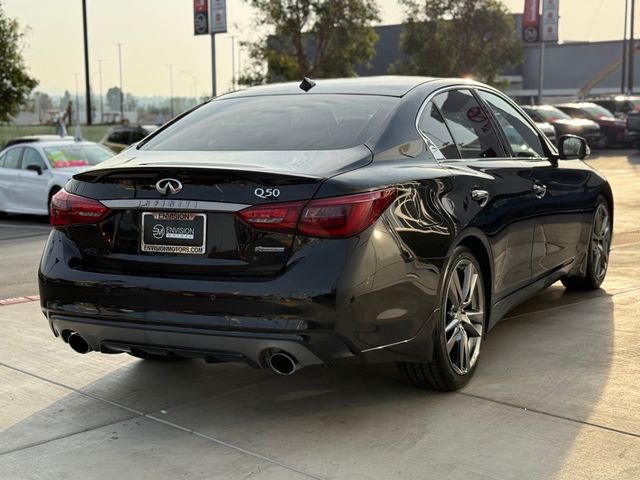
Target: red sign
(200,17)
(531,15)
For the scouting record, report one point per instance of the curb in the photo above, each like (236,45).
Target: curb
(17,300)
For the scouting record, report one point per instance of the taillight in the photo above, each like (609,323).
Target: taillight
(69,209)
(275,217)
(336,217)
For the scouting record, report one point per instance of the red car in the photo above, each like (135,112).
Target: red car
(614,129)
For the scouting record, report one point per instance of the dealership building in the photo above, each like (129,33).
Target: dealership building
(569,66)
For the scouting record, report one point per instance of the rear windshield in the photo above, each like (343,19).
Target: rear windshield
(277,122)
(76,155)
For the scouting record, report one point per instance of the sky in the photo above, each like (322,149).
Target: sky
(158,33)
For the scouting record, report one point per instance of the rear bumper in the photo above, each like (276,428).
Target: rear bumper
(329,305)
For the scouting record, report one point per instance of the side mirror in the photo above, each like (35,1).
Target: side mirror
(35,168)
(572,147)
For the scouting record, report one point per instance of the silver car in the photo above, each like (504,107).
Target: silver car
(31,173)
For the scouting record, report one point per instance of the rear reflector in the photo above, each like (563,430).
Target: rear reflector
(336,217)
(69,209)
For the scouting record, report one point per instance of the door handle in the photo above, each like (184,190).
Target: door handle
(539,190)
(480,196)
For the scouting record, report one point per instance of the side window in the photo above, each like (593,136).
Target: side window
(12,158)
(469,125)
(118,136)
(32,157)
(522,137)
(432,125)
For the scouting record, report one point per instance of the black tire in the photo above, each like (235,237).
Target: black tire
(441,373)
(596,271)
(53,191)
(155,357)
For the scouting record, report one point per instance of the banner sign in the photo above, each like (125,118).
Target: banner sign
(550,20)
(531,21)
(200,17)
(218,16)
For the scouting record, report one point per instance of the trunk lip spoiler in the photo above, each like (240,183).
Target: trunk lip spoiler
(98,173)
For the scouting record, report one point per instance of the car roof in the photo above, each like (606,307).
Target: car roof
(576,104)
(538,107)
(388,85)
(37,138)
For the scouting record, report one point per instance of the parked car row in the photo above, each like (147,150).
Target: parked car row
(608,121)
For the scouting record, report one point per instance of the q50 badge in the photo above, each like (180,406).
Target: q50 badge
(266,193)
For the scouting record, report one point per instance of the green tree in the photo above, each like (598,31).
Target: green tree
(113,98)
(15,82)
(314,38)
(456,38)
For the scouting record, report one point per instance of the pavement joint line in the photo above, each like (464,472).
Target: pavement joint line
(61,437)
(573,304)
(518,407)
(548,414)
(159,420)
(24,236)
(20,226)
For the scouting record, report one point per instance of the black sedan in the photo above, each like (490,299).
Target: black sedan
(364,220)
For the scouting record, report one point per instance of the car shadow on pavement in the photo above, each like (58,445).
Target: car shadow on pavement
(543,377)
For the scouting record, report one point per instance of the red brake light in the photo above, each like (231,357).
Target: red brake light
(337,217)
(275,217)
(69,209)
(342,217)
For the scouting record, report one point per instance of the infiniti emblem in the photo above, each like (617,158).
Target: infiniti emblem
(169,185)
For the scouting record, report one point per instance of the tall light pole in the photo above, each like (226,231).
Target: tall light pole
(86,61)
(171,86)
(233,62)
(77,100)
(214,88)
(101,96)
(121,91)
(624,47)
(195,83)
(632,47)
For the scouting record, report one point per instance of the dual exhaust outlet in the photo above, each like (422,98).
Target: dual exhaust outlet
(280,362)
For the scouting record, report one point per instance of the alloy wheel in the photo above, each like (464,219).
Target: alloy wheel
(601,242)
(464,316)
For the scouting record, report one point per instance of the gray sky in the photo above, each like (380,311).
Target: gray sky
(156,33)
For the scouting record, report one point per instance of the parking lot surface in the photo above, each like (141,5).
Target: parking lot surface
(555,396)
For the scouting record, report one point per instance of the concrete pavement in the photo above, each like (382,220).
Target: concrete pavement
(555,396)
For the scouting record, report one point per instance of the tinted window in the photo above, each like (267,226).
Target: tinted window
(119,136)
(522,137)
(551,114)
(62,156)
(433,126)
(32,157)
(277,122)
(12,158)
(137,135)
(471,128)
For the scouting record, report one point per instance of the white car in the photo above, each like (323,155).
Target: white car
(32,172)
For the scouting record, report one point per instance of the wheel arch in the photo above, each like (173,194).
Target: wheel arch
(477,242)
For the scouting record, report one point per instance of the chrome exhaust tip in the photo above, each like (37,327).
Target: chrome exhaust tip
(282,363)
(78,343)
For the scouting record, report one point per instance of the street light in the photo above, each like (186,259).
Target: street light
(195,83)
(101,96)
(171,85)
(121,91)
(233,62)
